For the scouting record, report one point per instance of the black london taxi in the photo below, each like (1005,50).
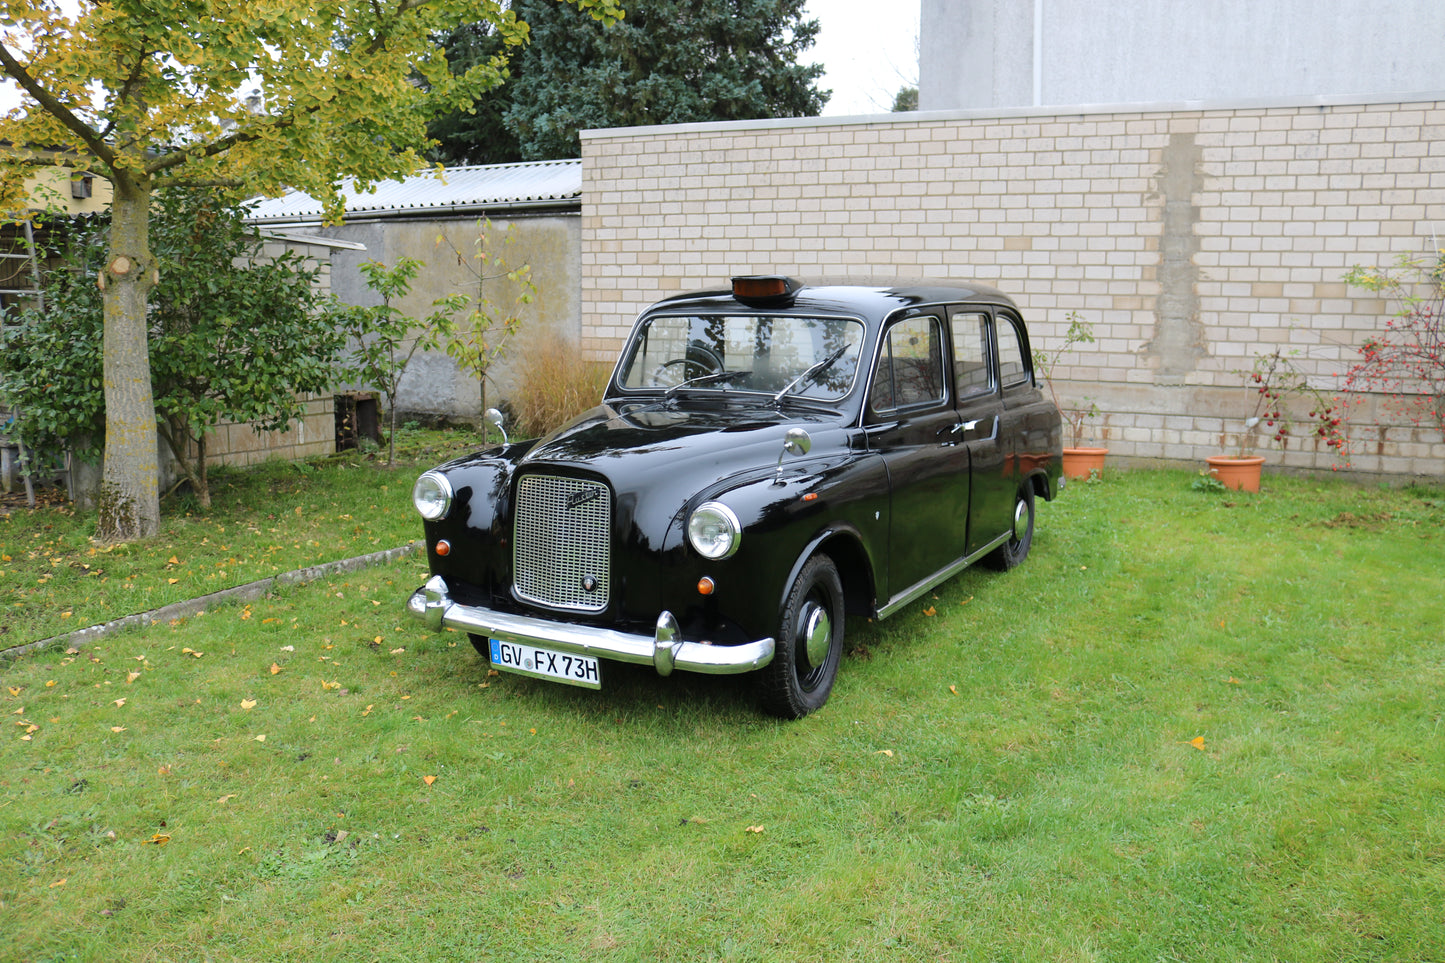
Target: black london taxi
(768,460)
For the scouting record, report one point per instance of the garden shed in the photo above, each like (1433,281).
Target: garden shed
(470,226)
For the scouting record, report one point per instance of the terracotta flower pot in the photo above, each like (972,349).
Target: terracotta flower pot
(1082,463)
(1237,473)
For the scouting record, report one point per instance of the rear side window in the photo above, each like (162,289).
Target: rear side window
(970,353)
(910,365)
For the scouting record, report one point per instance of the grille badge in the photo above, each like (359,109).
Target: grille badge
(578,499)
(589,583)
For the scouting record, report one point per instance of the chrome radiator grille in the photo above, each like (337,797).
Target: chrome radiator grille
(562,547)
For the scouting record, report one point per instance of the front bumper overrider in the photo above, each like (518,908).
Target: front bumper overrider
(665,649)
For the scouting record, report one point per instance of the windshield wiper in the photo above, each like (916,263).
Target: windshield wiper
(702,380)
(811,373)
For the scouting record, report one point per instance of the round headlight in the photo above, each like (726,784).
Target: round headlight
(432,496)
(714,530)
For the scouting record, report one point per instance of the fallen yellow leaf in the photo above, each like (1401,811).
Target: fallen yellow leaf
(164,770)
(14,691)
(428,779)
(753,829)
(159,839)
(953,689)
(930,611)
(261,738)
(884,752)
(330,685)
(58,882)
(118,703)
(248,703)
(50,683)
(173,561)
(117,728)
(1197,742)
(172,581)
(226,798)
(275,668)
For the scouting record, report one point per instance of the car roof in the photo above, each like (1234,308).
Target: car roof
(867,297)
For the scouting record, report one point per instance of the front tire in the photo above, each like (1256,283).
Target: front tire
(809,643)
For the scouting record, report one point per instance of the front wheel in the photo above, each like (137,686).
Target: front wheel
(1021,536)
(809,643)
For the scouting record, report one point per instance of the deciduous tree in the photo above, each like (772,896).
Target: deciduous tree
(669,62)
(254,97)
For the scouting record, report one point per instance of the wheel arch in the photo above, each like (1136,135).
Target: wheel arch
(855,569)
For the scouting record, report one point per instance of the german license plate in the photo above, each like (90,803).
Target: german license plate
(540,663)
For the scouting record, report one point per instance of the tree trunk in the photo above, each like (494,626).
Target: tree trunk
(129,488)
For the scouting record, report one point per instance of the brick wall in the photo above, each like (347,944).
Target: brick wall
(1191,239)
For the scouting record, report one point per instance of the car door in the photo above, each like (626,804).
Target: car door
(912,425)
(979,403)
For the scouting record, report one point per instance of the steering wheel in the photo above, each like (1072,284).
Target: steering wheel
(700,362)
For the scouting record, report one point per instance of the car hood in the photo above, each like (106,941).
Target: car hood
(659,456)
(705,443)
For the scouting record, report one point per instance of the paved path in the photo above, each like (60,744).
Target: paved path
(241,593)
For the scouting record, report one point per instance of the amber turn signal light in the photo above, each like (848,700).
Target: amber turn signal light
(444,547)
(706,586)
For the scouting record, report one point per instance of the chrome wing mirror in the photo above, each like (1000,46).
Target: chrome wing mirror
(494,417)
(796,442)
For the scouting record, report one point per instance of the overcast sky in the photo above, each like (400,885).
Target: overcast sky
(870,50)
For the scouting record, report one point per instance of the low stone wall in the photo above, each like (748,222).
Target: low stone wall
(1192,238)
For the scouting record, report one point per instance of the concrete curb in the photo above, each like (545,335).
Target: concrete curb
(240,593)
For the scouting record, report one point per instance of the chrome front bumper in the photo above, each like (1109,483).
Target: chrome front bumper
(665,649)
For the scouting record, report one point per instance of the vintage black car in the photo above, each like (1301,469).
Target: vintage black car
(768,459)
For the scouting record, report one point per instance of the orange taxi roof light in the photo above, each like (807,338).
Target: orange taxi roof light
(772,287)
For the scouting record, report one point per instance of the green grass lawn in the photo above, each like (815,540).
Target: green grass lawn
(1191,726)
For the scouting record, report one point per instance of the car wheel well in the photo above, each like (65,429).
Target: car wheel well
(855,572)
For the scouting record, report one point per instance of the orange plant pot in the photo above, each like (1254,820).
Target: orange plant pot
(1239,474)
(1082,463)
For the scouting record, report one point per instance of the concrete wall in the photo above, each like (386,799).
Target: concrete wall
(1022,53)
(432,386)
(1192,239)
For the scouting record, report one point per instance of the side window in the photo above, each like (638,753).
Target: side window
(970,353)
(1013,366)
(910,365)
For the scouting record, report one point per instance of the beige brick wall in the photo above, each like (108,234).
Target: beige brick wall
(1191,239)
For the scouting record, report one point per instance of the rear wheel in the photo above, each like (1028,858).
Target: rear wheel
(1016,549)
(809,643)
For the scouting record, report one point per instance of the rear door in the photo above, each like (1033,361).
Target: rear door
(913,425)
(979,404)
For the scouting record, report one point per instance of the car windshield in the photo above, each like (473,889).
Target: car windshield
(781,355)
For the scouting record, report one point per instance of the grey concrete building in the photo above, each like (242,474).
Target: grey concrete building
(1051,53)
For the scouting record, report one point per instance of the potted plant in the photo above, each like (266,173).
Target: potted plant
(1275,381)
(1081,459)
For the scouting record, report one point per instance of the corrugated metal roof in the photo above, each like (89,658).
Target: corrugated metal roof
(456,189)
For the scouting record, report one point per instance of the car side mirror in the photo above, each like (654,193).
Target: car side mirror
(797,441)
(494,417)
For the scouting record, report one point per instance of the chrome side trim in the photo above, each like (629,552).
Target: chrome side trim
(665,649)
(938,578)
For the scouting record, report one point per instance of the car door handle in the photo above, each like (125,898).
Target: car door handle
(969,426)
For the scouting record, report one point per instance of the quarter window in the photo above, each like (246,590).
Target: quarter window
(910,365)
(1013,366)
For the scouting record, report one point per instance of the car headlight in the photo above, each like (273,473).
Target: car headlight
(432,496)
(714,530)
